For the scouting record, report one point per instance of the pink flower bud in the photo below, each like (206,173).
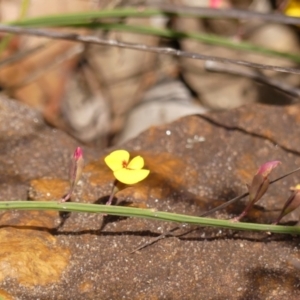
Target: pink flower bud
(260,182)
(76,167)
(214,3)
(259,185)
(78,154)
(291,203)
(267,167)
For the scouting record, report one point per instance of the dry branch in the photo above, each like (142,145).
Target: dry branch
(159,50)
(254,75)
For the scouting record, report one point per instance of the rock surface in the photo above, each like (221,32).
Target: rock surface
(163,103)
(196,163)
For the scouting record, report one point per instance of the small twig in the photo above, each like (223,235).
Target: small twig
(207,213)
(255,75)
(160,50)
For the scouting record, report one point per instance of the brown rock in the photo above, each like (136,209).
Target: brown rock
(161,104)
(30,258)
(278,124)
(30,254)
(48,189)
(30,149)
(5,296)
(198,159)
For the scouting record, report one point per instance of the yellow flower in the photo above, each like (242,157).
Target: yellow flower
(293,8)
(128,172)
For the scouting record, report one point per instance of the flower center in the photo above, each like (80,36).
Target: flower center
(124,164)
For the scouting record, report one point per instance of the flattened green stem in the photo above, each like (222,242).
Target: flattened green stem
(145,213)
(87,16)
(209,39)
(178,10)
(87,20)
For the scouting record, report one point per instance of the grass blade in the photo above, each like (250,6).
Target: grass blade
(145,213)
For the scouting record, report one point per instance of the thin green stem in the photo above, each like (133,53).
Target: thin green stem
(145,213)
(205,38)
(114,190)
(87,16)
(91,19)
(171,10)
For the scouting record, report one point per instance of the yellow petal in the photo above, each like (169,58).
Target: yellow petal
(115,159)
(131,176)
(293,8)
(293,12)
(136,163)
